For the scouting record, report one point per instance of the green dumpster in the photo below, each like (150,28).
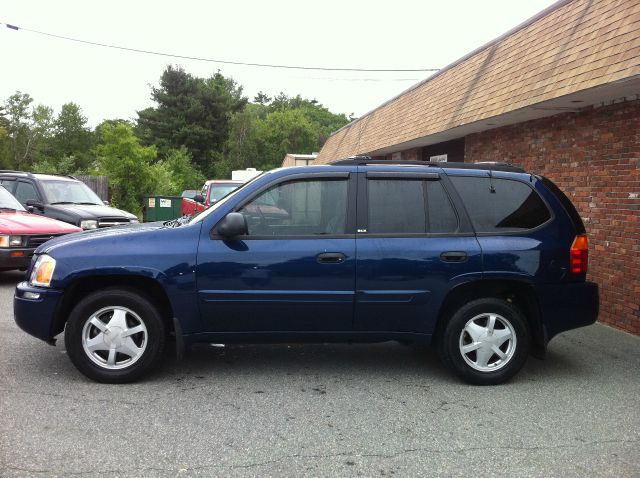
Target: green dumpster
(162,208)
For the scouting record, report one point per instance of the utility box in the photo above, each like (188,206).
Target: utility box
(161,208)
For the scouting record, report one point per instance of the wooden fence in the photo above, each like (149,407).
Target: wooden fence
(99,185)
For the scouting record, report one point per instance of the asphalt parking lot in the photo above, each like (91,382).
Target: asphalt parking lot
(320,410)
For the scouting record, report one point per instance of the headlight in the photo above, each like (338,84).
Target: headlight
(134,221)
(89,224)
(10,241)
(43,271)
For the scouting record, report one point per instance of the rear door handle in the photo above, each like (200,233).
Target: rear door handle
(331,258)
(453,256)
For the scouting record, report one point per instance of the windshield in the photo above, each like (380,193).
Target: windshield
(206,212)
(70,192)
(7,201)
(218,191)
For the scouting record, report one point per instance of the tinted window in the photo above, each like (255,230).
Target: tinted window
(442,217)
(509,206)
(25,191)
(396,206)
(408,206)
(299,208)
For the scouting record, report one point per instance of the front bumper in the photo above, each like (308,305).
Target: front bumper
(567,306)
(36,315)
(7,261)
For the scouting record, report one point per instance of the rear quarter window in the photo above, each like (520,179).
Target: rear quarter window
(501,205)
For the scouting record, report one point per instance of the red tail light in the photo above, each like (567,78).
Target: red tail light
(579,256)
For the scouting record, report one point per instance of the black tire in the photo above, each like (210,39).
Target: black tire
(452,337)
(152,339)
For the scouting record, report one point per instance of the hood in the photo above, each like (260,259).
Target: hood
(90,211)
(25,223)
(100,235)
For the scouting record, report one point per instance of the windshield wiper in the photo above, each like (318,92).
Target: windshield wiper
(63,202)
(89,203)
(181,221)
(8,209)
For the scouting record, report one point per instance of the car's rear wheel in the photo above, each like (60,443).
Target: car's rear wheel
(115,336)
(485,342)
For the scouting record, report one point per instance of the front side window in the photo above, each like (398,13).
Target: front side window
(25,191)
(7,201)
(8,184)
(501,205)
(409,206)
(299,208)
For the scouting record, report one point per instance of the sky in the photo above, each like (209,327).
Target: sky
(109,83)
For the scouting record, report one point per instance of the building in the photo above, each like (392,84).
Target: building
(298,159)
(558,95)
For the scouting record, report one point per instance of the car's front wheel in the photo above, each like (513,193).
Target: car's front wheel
(115,336)
(486,341)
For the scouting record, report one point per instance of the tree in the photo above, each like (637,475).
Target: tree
(182,173)
(71,138)
(25,127)
(191,112)
(127,164)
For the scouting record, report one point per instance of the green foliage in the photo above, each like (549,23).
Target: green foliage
(176,173)
(72,140)
(26,129)
(128,165)
(191,112)
(199,125)
(264,132)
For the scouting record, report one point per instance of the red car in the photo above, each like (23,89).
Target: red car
(21,232)
(212,191)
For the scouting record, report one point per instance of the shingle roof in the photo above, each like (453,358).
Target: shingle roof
(572,46)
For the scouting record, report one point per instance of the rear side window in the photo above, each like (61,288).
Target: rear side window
(567,204)
(501,205)
(409,206)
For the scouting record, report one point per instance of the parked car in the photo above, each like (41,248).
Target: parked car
(212,191)
(484,261)
(21,232)
(63,198)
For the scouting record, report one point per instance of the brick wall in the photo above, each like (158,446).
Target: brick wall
(594,157)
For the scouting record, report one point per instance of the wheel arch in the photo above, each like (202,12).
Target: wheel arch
(518,292)
(78,289)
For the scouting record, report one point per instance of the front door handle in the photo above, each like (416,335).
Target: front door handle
(331,258)
(453,256)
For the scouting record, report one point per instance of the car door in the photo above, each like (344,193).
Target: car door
(413,247)
(295,269)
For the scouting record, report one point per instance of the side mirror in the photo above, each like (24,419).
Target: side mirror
(30,209)
(106,203)
(199,198)
(34,204)
(234,224)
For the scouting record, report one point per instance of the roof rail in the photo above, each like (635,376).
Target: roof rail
(29,174)
(12,171)
(58,174)
(366,160)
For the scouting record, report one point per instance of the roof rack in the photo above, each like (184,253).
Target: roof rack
(367,160)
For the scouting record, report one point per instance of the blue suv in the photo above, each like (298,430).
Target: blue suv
(484,261)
